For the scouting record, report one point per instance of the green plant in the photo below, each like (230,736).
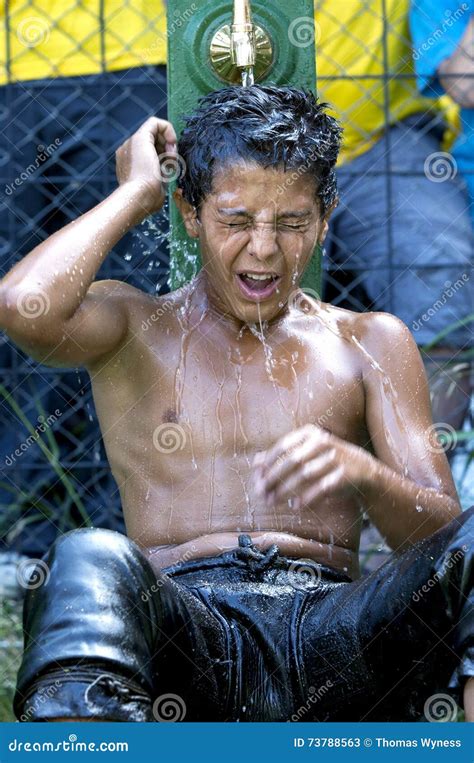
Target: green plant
(51,452)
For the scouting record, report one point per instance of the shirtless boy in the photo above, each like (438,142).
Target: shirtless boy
(248,426)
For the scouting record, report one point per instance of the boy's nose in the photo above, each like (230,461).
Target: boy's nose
(263,243)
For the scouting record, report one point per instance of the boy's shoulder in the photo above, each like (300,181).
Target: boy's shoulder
(384,344)
(380,327)
(380,340)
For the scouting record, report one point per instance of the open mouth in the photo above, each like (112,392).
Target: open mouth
(258,286)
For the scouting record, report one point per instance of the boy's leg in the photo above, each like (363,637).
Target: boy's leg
(387,645)
(89,633)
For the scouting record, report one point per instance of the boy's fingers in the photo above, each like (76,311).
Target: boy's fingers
(166,130)
(292,461)
(162,130)
(287,442)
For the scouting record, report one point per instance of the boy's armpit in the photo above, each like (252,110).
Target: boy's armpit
(398,406)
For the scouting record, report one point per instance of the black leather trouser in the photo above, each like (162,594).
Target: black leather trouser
(245,635)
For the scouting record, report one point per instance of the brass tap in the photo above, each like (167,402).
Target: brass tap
(241,52)
(242,36)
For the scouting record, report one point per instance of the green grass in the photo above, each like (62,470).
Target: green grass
(11,640)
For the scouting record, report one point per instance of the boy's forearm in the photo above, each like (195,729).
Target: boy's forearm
(61,269)
(404,511)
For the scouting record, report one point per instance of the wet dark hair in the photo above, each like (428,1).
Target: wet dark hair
(273,126)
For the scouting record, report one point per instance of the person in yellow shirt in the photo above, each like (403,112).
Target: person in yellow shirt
(77,79)
(400,240)
(58,39)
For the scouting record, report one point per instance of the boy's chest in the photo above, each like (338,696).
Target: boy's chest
(239,398)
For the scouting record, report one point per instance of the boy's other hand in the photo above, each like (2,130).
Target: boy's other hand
(309,464)
(140,160)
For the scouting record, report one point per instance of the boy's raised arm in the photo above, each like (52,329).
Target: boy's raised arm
(49,304)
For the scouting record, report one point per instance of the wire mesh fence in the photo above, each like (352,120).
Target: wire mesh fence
(77,79)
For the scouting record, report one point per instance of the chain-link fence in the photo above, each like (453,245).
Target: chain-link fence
(75,85)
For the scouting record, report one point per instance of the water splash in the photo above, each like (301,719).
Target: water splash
(247,77)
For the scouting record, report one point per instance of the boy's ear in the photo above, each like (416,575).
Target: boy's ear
(325,221)
(188,213)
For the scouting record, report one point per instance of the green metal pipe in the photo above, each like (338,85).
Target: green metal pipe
(191,28)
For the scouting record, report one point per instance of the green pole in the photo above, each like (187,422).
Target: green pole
(190,30)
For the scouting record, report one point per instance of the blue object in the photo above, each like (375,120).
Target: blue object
(417,267)
(437,27)
(237,742)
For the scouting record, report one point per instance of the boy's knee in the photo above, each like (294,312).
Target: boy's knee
(91,540)
(92,604)
(85,553)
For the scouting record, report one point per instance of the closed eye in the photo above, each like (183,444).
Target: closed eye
(282,225)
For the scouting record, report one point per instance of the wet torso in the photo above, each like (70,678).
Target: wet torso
(188,401)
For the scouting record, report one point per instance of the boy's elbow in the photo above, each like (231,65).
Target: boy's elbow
(28,321)
(451,510)
(26,312)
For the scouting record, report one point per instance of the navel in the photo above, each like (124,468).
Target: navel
(170,416)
